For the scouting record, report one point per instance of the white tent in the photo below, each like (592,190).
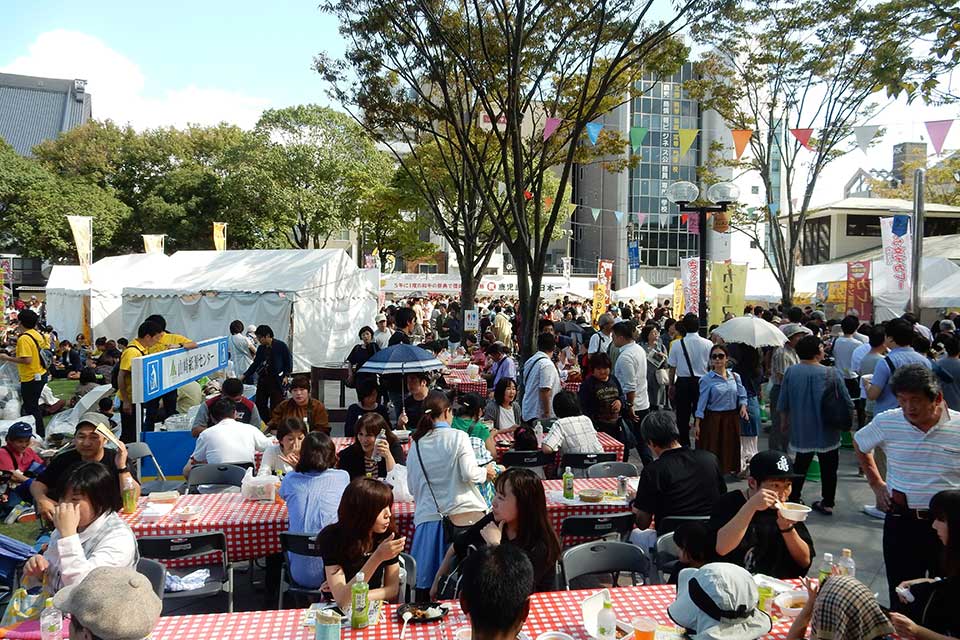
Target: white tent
(640,290)
(72,304)
(943,295)
(314,300)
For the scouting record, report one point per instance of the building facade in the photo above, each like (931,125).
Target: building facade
(34,109)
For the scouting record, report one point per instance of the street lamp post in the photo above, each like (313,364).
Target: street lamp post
(684,194)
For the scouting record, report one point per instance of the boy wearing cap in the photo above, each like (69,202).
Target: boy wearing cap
(111,603)
(750,530)
(89,447)
(17,457)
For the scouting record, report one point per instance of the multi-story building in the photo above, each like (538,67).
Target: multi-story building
(36,109)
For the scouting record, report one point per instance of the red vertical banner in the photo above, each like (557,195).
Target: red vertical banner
(858,289)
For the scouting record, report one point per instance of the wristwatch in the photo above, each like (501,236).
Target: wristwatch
(788,529)
(125,469)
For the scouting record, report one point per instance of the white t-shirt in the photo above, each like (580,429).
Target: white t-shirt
(698,349)
(539,372)
(631,372)
(599,343)
(230,441)
(239,347)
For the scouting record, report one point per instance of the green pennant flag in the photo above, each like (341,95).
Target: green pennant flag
(637,135)
(596,213)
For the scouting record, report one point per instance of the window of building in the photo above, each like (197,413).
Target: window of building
(816,241)
(940,227)
(863,226)
(426,268)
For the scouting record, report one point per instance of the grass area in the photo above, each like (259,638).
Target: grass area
(63,388)
(23,531)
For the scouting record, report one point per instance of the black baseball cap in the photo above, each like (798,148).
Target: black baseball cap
(772,465)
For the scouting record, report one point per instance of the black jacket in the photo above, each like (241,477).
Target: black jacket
(277,357)
(351,460)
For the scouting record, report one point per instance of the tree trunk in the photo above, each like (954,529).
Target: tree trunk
(529,307)
(468,289)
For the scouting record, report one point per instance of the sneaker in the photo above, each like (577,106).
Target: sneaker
(872,511)
(28,515)
(15,513)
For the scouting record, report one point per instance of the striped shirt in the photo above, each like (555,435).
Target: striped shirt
(574,434)
(918,464)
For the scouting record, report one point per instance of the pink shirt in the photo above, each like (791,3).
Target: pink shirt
(9,462)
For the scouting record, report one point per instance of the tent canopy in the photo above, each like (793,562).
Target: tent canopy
(640,290)
(943,295)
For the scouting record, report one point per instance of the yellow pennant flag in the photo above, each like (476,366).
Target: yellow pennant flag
(687,136)
(677,297)
(571,209)
(153,243)
(220,236)
(82,228)
(728,289)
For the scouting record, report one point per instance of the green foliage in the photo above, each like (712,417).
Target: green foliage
(940,184)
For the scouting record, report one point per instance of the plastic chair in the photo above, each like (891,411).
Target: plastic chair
(612,470)
(139,450)
(619,524)
(222,476)
(665,556)
(603,557)
(155,572)
(584,460)
(194,545)
(304,544)
(527,459)
(408,587)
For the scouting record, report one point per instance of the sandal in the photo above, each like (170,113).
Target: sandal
(819,508)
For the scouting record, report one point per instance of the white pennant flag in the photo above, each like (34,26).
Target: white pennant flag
(501,188)
(865,135)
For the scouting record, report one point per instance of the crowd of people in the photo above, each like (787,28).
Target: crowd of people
(689,406)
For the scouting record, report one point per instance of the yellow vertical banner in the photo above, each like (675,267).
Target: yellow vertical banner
(728,289)
(82,228)
(601,292)
(153,243)
(677,297)
(220,236)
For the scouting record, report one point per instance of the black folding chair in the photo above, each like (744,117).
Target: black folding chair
(527,459)
(303,544)
(216,478)
(612,470)
(155,572)
(194,545)
(593,527)
(603,557)
(409,583)
(583,461)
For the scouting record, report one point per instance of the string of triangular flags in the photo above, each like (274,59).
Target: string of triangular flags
(864,134)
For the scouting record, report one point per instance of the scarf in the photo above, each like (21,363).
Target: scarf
(846,610)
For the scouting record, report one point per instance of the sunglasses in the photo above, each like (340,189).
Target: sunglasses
(717,356)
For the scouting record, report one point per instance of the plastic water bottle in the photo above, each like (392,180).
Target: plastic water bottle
(376,454)
(128,493)
(826,567)
(845,565)
(606,622)
(360,603)
(568,484)
(51,622)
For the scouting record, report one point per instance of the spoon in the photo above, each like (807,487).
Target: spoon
(406,618)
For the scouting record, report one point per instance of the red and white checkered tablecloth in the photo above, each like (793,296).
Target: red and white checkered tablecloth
(609,443)
(573,387)
(554,611)
(340,442)
(459,364)
(252,528)
(458,380)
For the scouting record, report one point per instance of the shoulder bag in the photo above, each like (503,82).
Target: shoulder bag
(834,411)
(451,531)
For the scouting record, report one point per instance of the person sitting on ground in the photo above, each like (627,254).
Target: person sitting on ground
(503,410)
(679,483)
(519,518)
(68,364)
(89,533)
(232,388)
(111,602)
(89,446)
(358,459)
(842,608)
(228,441)
(363,539)
(495,591)
(572,432)
(18,459)
(281,458)
(86,383)
(301,405)
(368,401)
(750,530)
(313,492)
(932,614)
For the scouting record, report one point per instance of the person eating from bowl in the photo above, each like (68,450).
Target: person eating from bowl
(751,530)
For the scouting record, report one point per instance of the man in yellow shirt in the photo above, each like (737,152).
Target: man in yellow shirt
(167,341)
(148,335)
(33,375)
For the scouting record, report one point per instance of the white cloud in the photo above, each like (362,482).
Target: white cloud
(117,84)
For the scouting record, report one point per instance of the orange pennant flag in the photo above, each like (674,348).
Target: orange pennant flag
(527,195)
(803,137)
(549,201)
(740,139)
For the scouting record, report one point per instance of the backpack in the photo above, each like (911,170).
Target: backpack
(46,355)
(115,372)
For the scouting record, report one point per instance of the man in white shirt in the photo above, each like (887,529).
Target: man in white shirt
(843,349)
(688,362)
(573,432)
(228,441)
(600,341)
(631,372)
(540,380)
(382,335)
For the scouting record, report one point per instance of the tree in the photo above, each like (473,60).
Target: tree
(940,183)
(389,229)
(483,78)
(778,67)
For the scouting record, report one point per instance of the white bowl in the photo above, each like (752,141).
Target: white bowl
(465,633)
(784,600)
(402,434)
(188,513)
(554,635)
(794,511)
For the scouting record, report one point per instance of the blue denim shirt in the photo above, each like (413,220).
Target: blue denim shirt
(720,394)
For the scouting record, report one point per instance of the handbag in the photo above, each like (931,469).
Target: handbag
(834,411)
(451,531)
(24,605)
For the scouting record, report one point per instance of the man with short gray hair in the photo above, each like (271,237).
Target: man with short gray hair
(600,341)
(680,483)
(921,439)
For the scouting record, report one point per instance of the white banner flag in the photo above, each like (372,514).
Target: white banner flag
(82,228)
(690,277)
(895,271)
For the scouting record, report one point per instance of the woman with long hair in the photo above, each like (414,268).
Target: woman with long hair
(281,458)
(933,614)
(519,517)
(503,410)
(364,538)
(312,492)
(722,403)
(442,475)
(359,459)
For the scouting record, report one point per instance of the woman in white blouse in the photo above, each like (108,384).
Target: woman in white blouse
(280,459)
(442,475)
(502,410)
(89,533)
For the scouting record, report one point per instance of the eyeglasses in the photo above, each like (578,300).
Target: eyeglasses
(717,356)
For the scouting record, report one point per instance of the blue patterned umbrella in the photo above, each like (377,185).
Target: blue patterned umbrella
(401,358)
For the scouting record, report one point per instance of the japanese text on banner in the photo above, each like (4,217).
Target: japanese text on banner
(859,298)
(601,292)
(728,288)
(894,271)
(690,275)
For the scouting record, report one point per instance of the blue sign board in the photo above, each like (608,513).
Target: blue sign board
(633,252)
(157,374)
